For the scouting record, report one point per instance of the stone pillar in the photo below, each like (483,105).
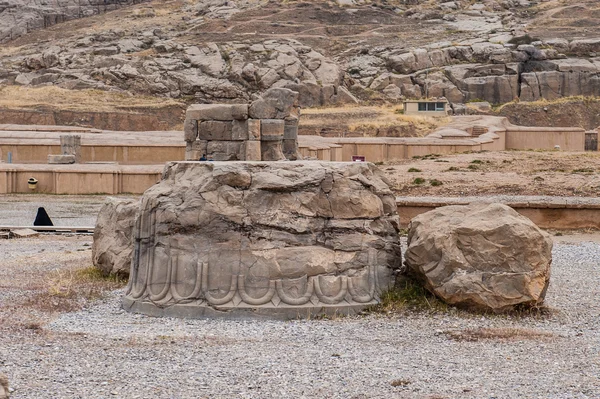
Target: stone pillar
(271,135)
(290,139)
(70,144)
(70,148)
(253,145)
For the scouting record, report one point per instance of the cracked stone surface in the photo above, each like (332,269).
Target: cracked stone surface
(480,255)
(277,239)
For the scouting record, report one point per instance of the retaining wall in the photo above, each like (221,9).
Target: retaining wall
(561,213)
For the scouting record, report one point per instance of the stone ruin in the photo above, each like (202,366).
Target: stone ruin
(70,150)
(277,239)
(300,239)
(265,130)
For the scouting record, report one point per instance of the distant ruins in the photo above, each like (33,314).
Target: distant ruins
(265,130)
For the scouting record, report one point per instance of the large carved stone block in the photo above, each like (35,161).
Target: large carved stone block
(254,238)
(190,129)
(254,129)
(272,129)
(272,151)
(215,130)
(217,112)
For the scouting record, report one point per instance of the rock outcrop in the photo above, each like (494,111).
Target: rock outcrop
(277,239)
(474,52)
(113,236)
(4,392)
(19,17)
(483,256)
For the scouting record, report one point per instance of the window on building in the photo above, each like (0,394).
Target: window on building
(431,106)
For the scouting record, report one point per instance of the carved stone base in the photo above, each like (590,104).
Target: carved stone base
(263,239)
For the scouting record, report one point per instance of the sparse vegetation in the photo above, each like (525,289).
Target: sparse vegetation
(503,334)
(68,290)
(419,180)
(400,382)
(83,100)
(368,121)
(409,294)
(435,182)
(413,170)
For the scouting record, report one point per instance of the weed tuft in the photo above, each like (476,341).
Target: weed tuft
(412,170)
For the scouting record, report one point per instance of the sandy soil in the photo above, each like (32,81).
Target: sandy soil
(503,172)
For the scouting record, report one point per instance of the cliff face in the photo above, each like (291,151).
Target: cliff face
(225,50)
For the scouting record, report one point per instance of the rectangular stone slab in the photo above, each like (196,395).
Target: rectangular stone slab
(252,151)
(271,129)
(240,130)
(190,129)
(215,130)
(218,112)
(254,129)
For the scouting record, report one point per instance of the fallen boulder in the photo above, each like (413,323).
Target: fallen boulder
(483,256)
(113,236)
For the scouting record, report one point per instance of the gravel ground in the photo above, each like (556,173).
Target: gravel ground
(102,351)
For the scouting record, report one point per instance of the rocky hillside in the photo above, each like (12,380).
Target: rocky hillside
(19,17)
(332,52)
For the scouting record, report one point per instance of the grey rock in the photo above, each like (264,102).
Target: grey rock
(275,239)
(484,256)
(113,236)
(276,103)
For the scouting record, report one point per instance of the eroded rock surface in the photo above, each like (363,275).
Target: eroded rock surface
(4,393)
(278,239)
(483,256)
(113,236)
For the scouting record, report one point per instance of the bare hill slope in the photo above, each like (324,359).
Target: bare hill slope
(332,52)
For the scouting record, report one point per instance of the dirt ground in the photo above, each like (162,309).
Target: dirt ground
(493,173)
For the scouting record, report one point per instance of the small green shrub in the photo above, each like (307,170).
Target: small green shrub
(477,161)
(473,167)
(419,180)
(411,170)
(435,182)
(453,169)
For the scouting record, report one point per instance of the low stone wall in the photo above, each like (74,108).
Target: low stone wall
(545,138)
(561,213)
(79,179)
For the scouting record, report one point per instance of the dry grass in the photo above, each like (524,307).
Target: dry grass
(545,102)
(56,97)
(370,121)
(500,334)
(68,290)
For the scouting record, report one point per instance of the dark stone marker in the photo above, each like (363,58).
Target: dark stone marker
(42,218)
